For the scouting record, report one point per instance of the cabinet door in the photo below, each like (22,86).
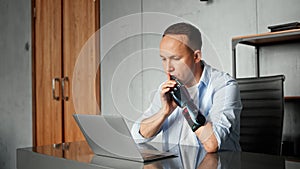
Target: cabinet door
(80,22)
(47,60)
(61,30)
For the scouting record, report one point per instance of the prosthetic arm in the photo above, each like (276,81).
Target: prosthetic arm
(190,111)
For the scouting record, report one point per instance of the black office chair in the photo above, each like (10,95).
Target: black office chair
(262,114)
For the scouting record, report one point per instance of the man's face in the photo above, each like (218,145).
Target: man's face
(177,58)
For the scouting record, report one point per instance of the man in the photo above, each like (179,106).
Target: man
(215,92)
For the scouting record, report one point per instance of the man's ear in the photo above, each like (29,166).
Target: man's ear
(197,56)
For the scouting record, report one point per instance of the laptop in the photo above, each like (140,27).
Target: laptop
(109,136)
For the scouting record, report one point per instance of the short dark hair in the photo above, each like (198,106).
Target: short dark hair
(193,34)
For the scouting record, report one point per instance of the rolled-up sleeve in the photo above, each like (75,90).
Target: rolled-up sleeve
(225,114)
(136,135)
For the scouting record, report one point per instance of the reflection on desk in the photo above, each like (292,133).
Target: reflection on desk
(79,155)
(187,157)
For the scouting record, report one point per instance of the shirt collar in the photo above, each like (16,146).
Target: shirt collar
(205,74)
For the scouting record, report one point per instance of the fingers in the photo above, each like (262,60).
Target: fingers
(169,76)
(166,99)
(167,86)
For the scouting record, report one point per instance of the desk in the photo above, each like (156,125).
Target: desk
(78,155)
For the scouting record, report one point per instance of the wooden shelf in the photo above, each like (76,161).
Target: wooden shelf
(264,39)
(269,38)
(292,98)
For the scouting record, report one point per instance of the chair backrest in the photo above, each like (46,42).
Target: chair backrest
(262,114)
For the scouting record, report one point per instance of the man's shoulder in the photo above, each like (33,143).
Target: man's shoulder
(216,74)
(219,78)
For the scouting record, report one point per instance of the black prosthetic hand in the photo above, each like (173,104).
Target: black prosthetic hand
(182,98)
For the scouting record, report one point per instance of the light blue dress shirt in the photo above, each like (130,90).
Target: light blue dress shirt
(218,97)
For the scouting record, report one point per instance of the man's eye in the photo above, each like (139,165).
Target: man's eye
(176,58)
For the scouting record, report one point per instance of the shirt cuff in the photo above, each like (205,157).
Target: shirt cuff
(217,136)
(136,135)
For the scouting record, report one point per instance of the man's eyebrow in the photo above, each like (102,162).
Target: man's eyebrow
(162,56)
(171,56)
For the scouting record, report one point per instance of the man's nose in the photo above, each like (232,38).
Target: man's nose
(170,67)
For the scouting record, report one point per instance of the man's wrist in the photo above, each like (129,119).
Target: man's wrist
(165,111)
(204,132)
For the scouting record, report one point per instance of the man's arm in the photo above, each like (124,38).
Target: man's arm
(223,116)
(208,139)
(150,126)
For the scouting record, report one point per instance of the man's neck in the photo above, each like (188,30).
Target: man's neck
(197,74)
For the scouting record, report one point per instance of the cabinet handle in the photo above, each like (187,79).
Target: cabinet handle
(65,79)
(54,80)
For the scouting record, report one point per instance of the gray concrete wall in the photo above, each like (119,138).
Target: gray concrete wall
(15,80)
(121,57)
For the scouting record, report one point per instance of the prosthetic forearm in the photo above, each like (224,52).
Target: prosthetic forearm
(190,111)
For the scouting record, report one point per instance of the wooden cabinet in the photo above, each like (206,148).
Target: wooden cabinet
(61,29)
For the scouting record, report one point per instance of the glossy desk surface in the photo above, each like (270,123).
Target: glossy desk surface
(79,155)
